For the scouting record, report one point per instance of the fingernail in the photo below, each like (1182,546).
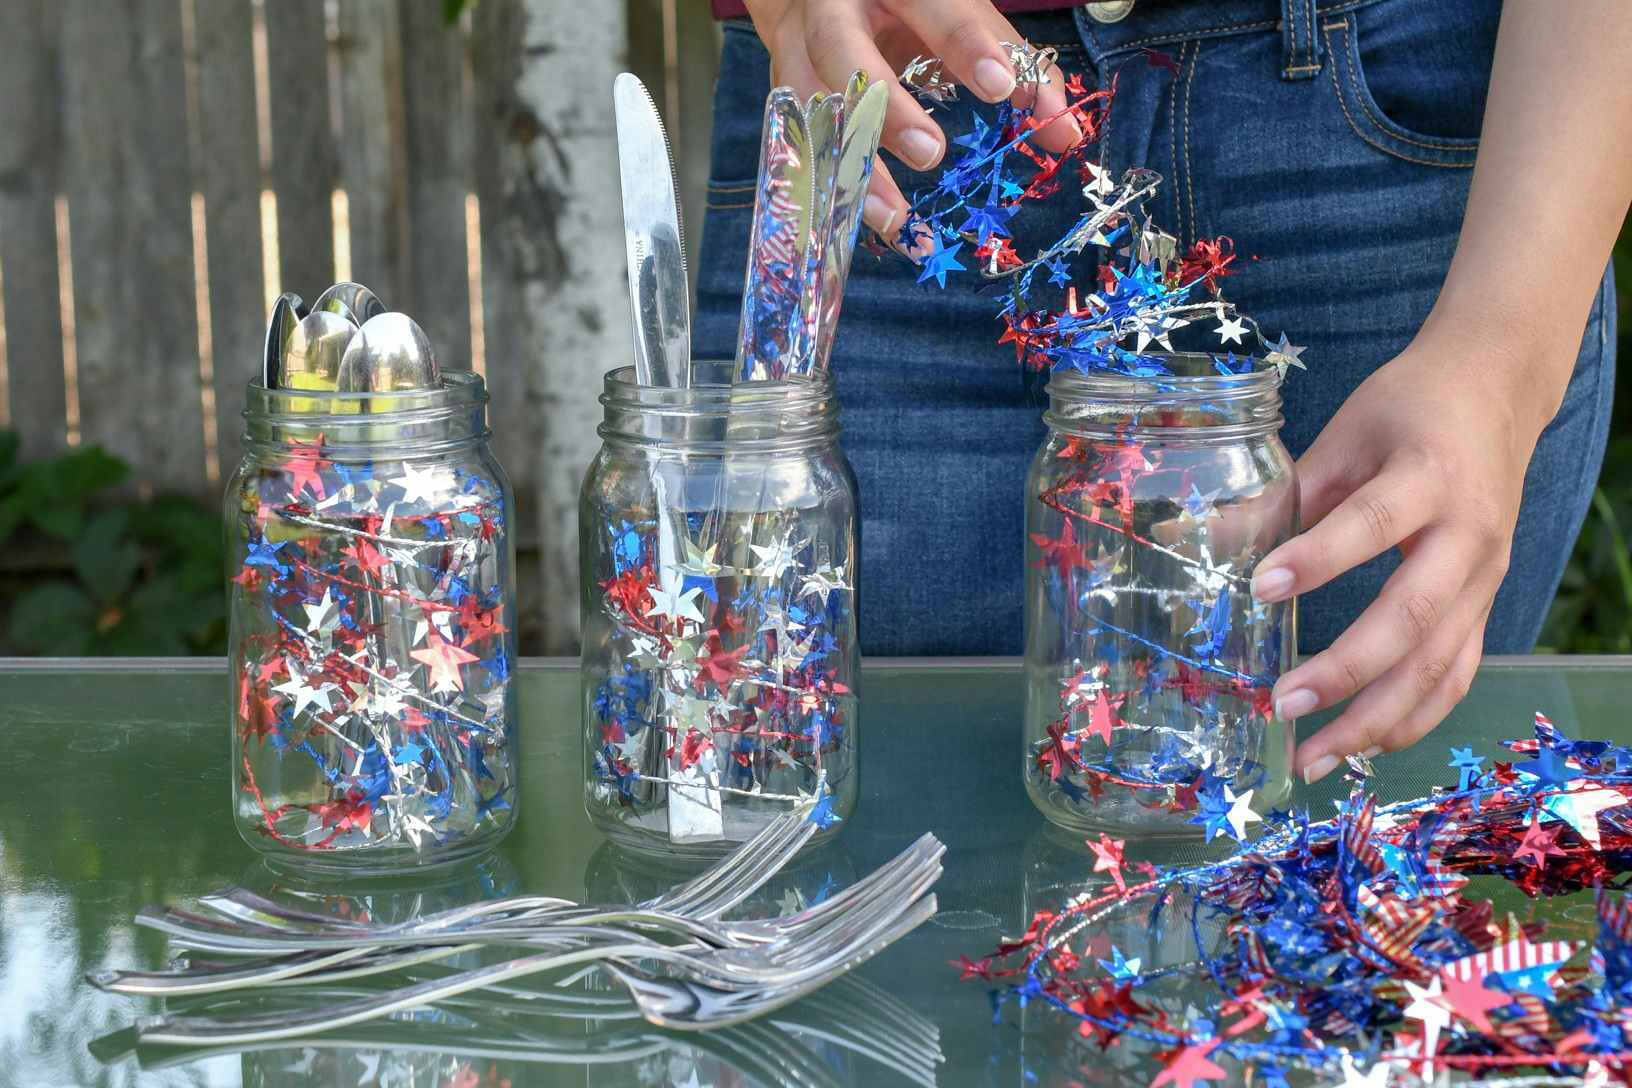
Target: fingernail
(878,210)
(1319,769)
(1295,704)
(993,79)
(921,149)
(1272,584)
(1371,753)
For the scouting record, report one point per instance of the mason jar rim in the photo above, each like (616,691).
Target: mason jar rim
(721,396)
(1205,383)
(447,415)
(1080,403)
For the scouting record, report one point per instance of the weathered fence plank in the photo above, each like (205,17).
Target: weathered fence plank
(229,177)
(30,161)
(373,156)
(127,179)
(304,167)
(438,144)
(500,132)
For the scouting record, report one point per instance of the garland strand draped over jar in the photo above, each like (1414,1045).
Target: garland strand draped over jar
(1159,487)
(1149,665)
(718,541)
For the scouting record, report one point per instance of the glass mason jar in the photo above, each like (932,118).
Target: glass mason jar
(372,611)
(1149,665)
(717,543)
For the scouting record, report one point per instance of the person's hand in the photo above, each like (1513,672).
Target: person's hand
(816,44)
(1428,455)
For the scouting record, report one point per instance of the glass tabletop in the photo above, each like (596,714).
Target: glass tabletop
(115,796)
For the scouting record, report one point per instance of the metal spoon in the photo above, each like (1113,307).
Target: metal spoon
(389,353)
(286,312)
(312,350)
(352,301)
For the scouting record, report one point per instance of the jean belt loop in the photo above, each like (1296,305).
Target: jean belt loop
(1300,40)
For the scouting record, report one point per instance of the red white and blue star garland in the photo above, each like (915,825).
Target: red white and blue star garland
(730,677)
(1154,292)
(1350,948)
(374,658)
(1141,292)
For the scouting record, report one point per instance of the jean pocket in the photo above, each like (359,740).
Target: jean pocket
(1373,123)
(739,99)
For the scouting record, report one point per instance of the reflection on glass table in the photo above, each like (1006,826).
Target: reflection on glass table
(116,797)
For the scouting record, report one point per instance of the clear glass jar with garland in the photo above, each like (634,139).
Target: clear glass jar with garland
(1149,665)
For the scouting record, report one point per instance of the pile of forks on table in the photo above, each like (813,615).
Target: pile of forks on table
(683,964)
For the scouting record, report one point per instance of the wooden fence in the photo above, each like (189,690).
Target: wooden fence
(167,167)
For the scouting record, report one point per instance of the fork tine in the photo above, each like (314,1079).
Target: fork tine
(860,888)
(743,855)
(664,1001)
(842,930)
(744,871)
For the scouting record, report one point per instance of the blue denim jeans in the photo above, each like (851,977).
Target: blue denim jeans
(1334,143)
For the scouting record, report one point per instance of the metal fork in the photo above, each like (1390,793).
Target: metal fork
(852,1014)
(685,1003)
(320,958)
(707,988)
(704,897)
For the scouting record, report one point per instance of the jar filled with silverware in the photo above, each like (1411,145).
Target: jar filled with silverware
(717,525)
(371,599)
(718,547)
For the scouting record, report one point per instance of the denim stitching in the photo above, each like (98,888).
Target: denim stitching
(1289,30)
(744,187)
(1173,143)
(726,207)
(1603,325)
(1343,104)
(1352,47)
(1304,31)
(1189,171)
(1183,35)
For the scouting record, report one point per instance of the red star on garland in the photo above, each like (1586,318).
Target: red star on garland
(692,748)
(968,968)
(1190,1065)
(721,666)
(345,814)
(1538,844)
(1059,755)
(368,558)
(1064,553)
(444,659)
(304,467)
(1102,713)
(1472,999)
(1108,859)
(479,623)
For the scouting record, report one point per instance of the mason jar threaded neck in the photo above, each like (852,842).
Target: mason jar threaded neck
(1194,402)
(714,416)
(410,423)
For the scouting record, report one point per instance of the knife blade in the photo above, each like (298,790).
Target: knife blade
(654,239)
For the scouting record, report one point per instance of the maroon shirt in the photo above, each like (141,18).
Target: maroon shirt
(727,9)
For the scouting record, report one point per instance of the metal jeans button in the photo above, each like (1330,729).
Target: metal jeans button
(1109,11)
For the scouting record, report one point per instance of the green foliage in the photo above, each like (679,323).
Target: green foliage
(1592,613)
(96,574)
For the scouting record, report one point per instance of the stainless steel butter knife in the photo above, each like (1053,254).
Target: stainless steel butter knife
(653,239)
